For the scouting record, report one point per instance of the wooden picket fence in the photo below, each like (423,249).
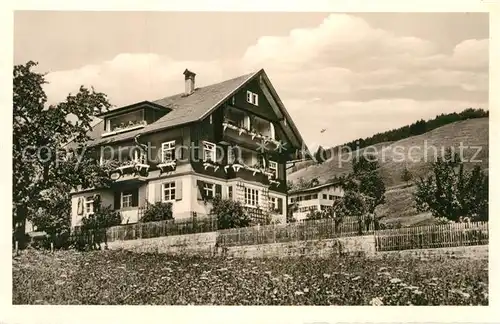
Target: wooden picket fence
(141,230)
(434,236)
(300,231)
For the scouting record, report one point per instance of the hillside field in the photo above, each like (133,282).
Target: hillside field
(399,206)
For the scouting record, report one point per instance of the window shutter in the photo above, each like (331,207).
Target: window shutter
(219,154)
(135,198)
(199,185)
(179,150)
(158,192)
(280,205)
(230,192)
(118,198)
(218,190)
(178,190)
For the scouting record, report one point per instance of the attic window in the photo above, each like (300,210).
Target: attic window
(252,98)
(125,122)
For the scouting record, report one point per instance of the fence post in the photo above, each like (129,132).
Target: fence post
(17,247)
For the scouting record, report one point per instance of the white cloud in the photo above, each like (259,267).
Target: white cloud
(338,58)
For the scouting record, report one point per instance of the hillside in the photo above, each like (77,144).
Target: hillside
(470,133)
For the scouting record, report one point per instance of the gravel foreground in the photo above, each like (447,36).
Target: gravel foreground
(121,277)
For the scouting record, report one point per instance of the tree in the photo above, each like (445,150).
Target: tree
(41,157)
(406,175)
(94,227)
(366,180)
(158,212)
(229,213)
(54,215)
(451,192)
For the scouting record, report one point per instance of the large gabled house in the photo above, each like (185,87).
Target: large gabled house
(231,139)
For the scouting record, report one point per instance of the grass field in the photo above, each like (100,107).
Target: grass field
(119,277)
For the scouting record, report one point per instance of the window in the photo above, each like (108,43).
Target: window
(167,151)
(274,203)
(209,190)
(245,123)
(126,199)
(331,197)
(272,132)
(140,156)
(209,151)
(89,206)
(273,166)
(308,197)
(169,191)
(230,192)
(325,196)
(251,197)
(315,196)
(230,155)
(252,98)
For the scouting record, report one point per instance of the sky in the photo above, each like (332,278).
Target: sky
(352,74)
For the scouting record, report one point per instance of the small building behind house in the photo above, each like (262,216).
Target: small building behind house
(313,199)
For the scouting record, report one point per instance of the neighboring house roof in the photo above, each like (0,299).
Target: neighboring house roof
(316,188)
(193,107)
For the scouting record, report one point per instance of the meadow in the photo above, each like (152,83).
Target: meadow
(122,277)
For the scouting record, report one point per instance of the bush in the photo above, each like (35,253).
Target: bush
(229,213)
(158,212)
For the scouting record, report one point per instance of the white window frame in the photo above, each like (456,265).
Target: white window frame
(170,187)
(273,166)
(89,202)
(167,147)
(252,98)
(274,202)
(252,197)
(129,200)
(209,188)
(209,148)
(246,122)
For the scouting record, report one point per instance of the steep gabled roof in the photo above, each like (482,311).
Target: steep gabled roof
(185,109)
(191,108)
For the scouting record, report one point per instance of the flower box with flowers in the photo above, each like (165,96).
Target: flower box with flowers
(211,164)
(166,166)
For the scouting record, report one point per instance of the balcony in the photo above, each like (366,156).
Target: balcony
(249,130)
(128,171)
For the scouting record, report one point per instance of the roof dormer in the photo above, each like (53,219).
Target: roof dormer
(131,117)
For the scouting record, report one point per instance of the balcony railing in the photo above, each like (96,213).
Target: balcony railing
(252,133)
(119,169)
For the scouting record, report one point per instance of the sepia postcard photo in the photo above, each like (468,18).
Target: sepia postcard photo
(250,158)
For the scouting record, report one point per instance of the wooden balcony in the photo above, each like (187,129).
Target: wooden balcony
(129,172)
(249,138)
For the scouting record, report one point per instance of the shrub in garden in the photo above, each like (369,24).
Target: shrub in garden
(158,212)
(229,213)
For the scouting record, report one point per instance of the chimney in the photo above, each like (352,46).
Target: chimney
(189,82)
